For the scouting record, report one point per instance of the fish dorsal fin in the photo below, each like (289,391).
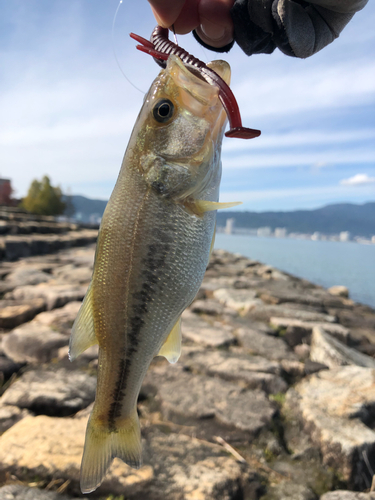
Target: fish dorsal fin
(171,349)
(83,333)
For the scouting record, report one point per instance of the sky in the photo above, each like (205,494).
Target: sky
(67,110)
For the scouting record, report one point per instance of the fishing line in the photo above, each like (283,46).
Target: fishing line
(115,54)
(174,35)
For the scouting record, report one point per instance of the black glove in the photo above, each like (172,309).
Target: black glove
(297,27)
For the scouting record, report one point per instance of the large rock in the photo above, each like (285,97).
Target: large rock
(339,291)
(265,345)
(52,447)
(17,247)
(288,490)
(54,295)
(264,312)
(33,343)
(55,393)
(71,273)
(20,492)
(8,367)
(306,327)
(15,312)
(209,397)
(330,351)
(61,319)
(334,407)
(347,495)
(185,468)
(27,275)
(239,300)
(253,371)
(10,415)
(207,334)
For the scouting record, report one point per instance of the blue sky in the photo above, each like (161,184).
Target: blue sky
(67,110)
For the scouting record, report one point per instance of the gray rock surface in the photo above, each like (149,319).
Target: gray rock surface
(288,490)
(182,468)
(306,327)
(239,300)
(326,349)
(207,334)
(20,492)
(334,407)
(254,371)
(14,313)
(55,393)
(264,312)
(33,343)
(10,415)
(54,295)
(339,291)
(61,319)
(347,495)
(263,344)
(210,397)
(228,387)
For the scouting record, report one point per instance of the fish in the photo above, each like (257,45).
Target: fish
(153,247)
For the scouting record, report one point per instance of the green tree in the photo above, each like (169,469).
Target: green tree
(43,199)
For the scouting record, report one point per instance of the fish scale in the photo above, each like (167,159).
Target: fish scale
(153,248)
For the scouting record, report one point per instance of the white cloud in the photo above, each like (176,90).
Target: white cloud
(301,138)
(297,159)
(357,180)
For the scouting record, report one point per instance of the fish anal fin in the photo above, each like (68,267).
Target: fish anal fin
(102,445)
(199,207)
(171,349)
(83,332)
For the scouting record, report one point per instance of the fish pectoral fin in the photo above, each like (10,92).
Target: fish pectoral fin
(83,333)
(202,206)
(103,445)
(171,349)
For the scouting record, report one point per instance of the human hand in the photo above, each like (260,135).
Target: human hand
(209,18)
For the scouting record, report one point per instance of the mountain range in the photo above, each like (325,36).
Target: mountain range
(330,219)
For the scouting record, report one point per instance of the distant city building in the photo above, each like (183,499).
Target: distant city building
(264,231)
(280,232)
(316,236)
(6,192)
(373,239)
(345,236)
(229,226)
(95,219)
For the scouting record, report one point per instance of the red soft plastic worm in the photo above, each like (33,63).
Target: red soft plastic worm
(160,47)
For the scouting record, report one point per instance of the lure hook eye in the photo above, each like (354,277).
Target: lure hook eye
(163,110)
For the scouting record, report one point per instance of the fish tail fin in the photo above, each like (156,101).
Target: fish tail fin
(103,445)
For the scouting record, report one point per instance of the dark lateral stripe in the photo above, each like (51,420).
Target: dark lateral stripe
(153,267)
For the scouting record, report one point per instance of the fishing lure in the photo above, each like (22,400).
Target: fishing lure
(160,47)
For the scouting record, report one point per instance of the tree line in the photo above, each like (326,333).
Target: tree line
(44,199)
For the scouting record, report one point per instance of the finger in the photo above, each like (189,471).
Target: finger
(166,11)
(216,25)
(188,18)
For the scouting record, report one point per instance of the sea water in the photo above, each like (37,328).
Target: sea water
(325,263)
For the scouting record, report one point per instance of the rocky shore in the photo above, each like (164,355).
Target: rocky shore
(273,397)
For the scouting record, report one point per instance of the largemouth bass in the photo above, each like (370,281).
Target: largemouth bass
(152,251)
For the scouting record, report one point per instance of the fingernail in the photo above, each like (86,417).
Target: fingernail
(214,35)
(213,31)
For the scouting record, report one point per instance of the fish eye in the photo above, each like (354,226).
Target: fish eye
(163,110)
